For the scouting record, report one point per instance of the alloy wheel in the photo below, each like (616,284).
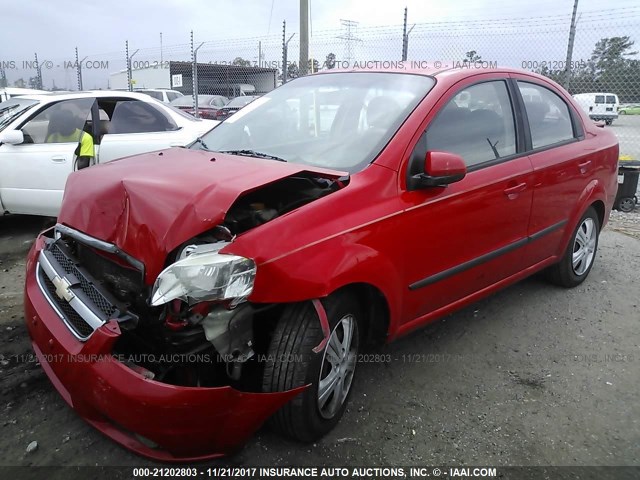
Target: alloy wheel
(338,366)
(584,246)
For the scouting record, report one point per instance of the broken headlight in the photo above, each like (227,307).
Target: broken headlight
(205,276)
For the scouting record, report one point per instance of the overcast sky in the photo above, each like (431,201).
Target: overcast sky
(99,29)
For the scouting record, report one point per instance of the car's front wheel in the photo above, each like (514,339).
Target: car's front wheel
(292,363)
(577,261)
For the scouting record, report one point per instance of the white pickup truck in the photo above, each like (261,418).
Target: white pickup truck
(34,164)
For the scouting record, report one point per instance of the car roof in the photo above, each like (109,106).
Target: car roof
(445,71)
(47,97)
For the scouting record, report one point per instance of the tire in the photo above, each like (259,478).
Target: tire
(291,363)
(584,238)
(622,112)
(608,122)
(626,204)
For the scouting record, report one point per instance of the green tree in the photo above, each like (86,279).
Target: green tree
(610,54)
(241,62)
(472,56)
(292,70)
(330,61)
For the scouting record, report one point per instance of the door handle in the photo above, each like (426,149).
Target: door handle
(512,192)
(584,166)
(58,159)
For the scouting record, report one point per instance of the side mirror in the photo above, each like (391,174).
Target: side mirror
(441,169)
(12,137)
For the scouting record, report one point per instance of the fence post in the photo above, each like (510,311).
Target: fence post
(194,76)
(79,71)
(38,73)
(126,52)
(404,36)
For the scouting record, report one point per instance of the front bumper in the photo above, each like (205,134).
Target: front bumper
(186,423)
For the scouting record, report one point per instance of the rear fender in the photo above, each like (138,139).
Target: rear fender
(593,192)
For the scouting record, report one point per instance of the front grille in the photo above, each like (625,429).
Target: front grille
(88,288)
(83,302)
(122,281)
(75,321)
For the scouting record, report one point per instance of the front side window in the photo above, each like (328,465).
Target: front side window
(62,122)
(477,124)
(338,120)
(134,116)
(549,117)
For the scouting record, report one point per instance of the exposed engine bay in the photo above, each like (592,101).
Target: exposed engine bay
(195,342)
(276,199)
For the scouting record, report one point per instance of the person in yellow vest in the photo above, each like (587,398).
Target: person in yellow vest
(62,129)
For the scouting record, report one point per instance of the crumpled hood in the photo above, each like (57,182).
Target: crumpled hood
(149,204)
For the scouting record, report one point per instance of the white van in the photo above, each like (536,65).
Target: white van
(599,106)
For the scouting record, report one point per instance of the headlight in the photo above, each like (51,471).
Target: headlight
(205,276)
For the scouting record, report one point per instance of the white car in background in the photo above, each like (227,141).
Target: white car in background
(163,94)
(33,172)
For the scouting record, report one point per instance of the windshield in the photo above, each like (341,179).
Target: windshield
(12,108)
(338,120)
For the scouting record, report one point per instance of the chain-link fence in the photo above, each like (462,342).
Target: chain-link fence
(602,58)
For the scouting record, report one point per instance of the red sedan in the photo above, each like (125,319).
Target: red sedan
(188,295)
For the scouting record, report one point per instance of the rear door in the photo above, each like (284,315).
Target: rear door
(136,127)
(471,234)
(34,173)
(563,163)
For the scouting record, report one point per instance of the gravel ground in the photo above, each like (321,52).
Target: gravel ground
(535,375)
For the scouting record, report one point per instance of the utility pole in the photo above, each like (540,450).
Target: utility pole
(349,37)
(79,71)
(161,50)
(572,37)
(259,54)
(304,37)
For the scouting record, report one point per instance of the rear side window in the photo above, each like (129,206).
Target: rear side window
(476,124)
(611,99)
(172,96)
(549,117)
(134,116)
(599,98)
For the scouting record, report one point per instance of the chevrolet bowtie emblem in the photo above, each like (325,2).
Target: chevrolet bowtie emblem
(63,290)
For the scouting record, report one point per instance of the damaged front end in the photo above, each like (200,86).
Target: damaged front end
(171,370)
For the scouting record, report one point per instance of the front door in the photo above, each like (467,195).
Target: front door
(34,173)
(465,237)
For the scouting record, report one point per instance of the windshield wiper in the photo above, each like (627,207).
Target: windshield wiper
(7,108)
(253,153)
(201,142)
